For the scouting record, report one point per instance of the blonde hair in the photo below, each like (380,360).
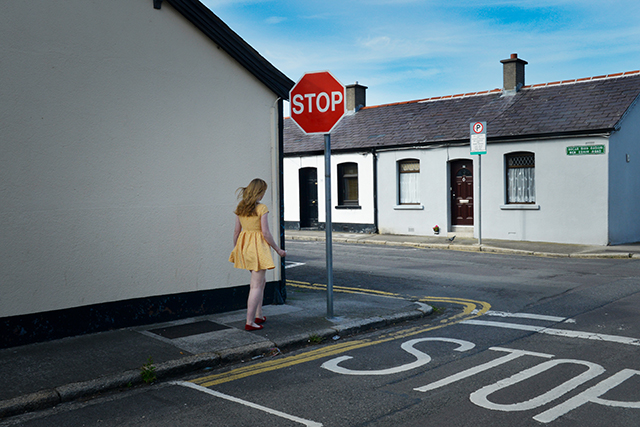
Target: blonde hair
(250,196)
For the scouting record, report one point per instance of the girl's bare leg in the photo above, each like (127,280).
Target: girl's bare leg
(256,295)
(264,285)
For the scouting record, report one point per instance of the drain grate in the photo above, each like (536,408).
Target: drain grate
(189,329)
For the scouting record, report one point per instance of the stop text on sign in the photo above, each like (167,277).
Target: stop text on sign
(322,102)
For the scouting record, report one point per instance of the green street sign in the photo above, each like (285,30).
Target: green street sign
(578,150)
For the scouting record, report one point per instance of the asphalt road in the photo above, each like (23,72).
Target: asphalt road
(558,347)
(508,282)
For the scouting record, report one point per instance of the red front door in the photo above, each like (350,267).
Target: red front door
(461,192)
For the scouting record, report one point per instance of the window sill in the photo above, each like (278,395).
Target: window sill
(408,208)
(520,207)
(348,207)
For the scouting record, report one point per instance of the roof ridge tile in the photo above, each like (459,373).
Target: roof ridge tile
(498,90)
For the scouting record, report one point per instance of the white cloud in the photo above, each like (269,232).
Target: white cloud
(275,19)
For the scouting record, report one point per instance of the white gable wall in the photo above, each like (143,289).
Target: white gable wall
(125,132)
(624,180)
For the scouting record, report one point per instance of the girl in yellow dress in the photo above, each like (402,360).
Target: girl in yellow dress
(251,241)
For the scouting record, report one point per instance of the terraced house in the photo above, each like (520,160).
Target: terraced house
(561,163)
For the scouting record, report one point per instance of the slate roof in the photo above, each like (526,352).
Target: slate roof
(575,107)
(220,33)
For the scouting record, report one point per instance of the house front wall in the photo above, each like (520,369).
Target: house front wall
(125,133)
(350,218)
(571,193)
(432,207)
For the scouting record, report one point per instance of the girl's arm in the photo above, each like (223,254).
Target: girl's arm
(264,224)
(236,231)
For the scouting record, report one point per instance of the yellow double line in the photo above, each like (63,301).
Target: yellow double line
(470,310)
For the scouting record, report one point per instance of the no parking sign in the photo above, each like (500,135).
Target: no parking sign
(478,138)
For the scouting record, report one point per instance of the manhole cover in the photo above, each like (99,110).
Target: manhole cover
(189,329)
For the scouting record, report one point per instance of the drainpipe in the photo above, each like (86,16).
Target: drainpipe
(375,191)
(280,296)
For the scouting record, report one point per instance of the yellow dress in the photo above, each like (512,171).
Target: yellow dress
(252,252)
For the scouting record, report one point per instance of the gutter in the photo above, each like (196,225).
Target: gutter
(430,145)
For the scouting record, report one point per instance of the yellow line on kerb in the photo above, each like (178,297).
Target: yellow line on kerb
(343,289)
(471,309)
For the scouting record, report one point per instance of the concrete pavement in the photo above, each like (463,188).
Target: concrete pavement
(461,243)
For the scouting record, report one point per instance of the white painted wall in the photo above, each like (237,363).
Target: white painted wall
(434,191)
(624,180)
(364,215)
(291,166)
(571,193)
(125,132)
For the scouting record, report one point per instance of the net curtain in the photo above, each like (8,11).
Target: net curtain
(409,192)
(521,185)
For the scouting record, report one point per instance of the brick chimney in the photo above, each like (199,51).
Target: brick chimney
(356,97)
(513,73)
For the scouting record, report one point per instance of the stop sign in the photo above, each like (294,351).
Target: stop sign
(317,102)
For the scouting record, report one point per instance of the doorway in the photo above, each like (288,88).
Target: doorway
(461,192)
(308,179)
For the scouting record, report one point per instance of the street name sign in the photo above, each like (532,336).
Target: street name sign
(578,150)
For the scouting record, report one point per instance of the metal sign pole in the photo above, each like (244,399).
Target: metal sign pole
(479,199)
(478,142)
(329,241)
(324,92)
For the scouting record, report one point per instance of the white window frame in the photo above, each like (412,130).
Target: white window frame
(520,179)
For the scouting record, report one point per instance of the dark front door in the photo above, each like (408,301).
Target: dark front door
(462,192)
(308,197)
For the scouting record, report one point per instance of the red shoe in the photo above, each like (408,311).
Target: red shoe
(261,320)
(252,328)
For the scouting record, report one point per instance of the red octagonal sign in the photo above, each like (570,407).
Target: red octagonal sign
(317,102)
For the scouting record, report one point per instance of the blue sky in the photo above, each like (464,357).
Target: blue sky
(412,49)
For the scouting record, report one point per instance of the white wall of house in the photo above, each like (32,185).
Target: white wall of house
(433,208)
(624,180)
(571,193)
(125,132)
(363,215)
(291,166)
